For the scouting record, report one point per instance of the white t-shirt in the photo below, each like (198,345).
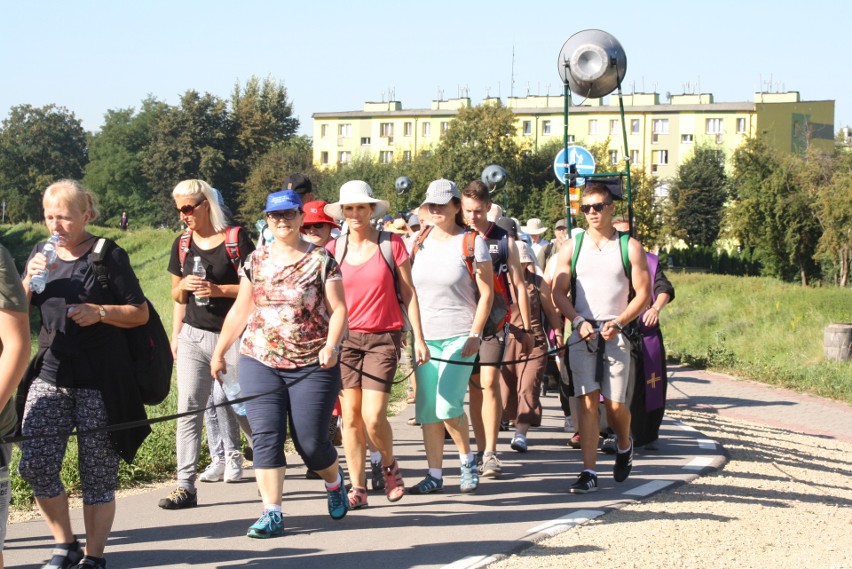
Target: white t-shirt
(445,289)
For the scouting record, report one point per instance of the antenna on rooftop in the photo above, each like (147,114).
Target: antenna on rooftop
(512,84)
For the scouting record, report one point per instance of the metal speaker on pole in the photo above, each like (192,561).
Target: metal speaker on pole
(494,177)
(402,185)
(592,63)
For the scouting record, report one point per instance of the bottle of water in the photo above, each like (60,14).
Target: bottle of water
(38,282)
(198,271)
(231,387)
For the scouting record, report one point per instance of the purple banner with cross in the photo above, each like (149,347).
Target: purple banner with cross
(652,352)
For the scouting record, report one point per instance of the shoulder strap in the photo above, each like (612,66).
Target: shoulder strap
(418,243)
(232,245)
(624,244)
(340,252)
(98,260)
(183,247)
(468,251)
(578,242)
(386,248)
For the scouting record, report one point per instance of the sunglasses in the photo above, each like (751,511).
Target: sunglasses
(188,209)
(314,225)
(598,207)
(287,214)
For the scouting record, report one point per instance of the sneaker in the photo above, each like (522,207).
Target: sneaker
(64,556)
(610,445)
(394,486)
(179,499)
(491,466)
(574,441)
(469,480)
(428,485)
(623,464)
(234,467)
(357,498)
(504,425)
(569,425)
(269,524)
(90,563)
(338,501)
(586,482)
(519,443)
(214,472)
(479,456)
(378,478)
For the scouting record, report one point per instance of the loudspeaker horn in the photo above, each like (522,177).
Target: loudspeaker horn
(402,185)
(593,63)
(494,177)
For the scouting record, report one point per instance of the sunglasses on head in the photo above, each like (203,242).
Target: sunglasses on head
(287,214)
(598,207)
(189,208)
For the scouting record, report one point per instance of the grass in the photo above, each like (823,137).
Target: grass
(759,328)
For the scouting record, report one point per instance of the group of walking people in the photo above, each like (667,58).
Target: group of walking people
(313,319)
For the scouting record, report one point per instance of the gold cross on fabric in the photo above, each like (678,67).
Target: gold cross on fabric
(654,379)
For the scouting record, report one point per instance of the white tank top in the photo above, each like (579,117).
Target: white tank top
(601,285)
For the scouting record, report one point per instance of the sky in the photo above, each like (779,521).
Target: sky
(92,56)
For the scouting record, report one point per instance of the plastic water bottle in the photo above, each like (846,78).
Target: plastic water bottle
(198,271)
(38,282)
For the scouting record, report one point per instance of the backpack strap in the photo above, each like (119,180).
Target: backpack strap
(386,249)
(232,246)
(624,245)
(468,251)
(418,243)
(98,260)
(183,247)
(340,252)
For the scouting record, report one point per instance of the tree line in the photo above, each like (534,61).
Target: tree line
(791,215)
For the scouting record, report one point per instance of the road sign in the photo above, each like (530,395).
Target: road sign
(578,156)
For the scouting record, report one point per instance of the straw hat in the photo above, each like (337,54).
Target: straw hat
(533,227)
(352,192)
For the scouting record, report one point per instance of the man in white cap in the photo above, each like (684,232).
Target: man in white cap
(536,230)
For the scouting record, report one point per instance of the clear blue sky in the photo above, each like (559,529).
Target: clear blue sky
(333,55)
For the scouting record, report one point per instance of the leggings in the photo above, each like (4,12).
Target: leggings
(52,410)
(302,398)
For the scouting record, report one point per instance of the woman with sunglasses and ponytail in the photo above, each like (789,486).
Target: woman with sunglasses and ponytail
(207,300)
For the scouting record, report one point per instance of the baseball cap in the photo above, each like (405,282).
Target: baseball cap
(561,223)
(283,200)
(441,192)
(508,224)
(314,213)
(299,183)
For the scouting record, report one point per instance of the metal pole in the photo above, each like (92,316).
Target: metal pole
(630,220)
(567,99)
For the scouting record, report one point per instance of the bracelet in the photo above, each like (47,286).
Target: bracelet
(618,325)
(655,309)
(476,335)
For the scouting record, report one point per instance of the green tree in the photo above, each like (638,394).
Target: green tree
(38,145)
(697,196)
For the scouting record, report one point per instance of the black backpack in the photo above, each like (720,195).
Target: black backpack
(150,350)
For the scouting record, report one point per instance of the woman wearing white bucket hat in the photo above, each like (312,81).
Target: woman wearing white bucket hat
(356,192)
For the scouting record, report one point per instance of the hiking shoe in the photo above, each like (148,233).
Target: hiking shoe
(623,464)
(610,445)
(214,472)
(378,478)
(64,556)
(574,441)
(428,485)
(179,499)
(269,524)
(357,498)
(586,482)
(519,443)
(338,501)
(569,425)
(234,467)
(469,480)
(491,466)
(392,479)
(91,563)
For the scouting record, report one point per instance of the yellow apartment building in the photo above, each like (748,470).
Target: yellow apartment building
(660,135)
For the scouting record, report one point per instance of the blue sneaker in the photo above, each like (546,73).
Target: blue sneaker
(270,524)
(338,501)
(428,485)
(469,480)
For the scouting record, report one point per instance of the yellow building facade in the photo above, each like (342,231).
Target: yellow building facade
(660,136)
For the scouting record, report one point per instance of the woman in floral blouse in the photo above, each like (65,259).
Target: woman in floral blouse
(292,307)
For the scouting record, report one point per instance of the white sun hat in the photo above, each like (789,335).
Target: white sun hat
(533,227)
(352,192)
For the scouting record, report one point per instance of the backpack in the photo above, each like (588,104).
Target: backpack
(499,308)
(232,246)
(148,344)
(386,250)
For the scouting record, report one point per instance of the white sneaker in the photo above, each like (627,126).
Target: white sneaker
(214,472)
(234,467)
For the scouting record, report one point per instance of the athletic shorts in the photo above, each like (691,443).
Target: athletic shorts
(491,350)
(441,386)
(374,354)
(617,367)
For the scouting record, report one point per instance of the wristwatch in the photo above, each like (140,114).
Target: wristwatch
(101,312)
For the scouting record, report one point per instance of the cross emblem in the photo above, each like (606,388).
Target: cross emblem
(654,379)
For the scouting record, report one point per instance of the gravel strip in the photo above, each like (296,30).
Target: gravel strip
(783,500)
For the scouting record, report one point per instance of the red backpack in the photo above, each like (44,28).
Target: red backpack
(232,246)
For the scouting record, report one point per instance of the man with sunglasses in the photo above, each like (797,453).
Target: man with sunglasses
(600,308)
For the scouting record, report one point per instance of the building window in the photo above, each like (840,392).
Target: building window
(714,126)
(613,126)
(634,126)
(661,157)
(344,156)
(687,138)
(344,130)
(660,126)
(406,129)
(324,158)
(365,141)
(386,156)
(385,129)
(545,128)
(527,128)
(406,156)
(634,156)
(444,126)
(613,157)
(427,129)
(741,126)
(323,131)
(593,126)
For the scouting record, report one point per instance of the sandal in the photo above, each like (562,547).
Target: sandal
(64,556)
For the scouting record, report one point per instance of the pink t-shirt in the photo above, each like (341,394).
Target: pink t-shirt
(370,293)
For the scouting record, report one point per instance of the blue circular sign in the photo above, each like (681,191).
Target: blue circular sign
(578,156)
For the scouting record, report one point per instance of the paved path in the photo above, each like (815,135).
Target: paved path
(442,530)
